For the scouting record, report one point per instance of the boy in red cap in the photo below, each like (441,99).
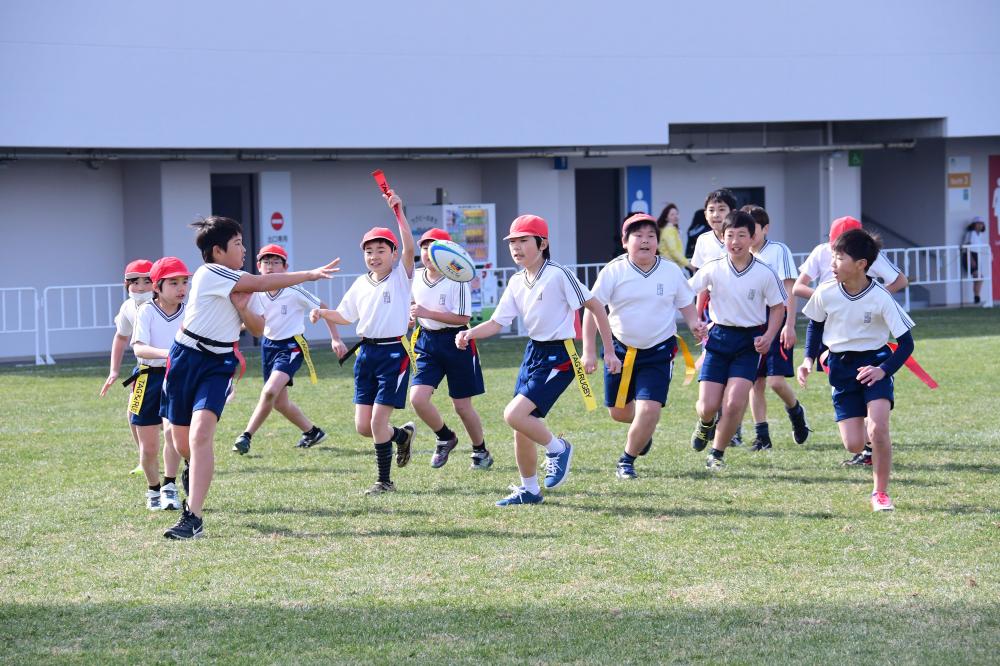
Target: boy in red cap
(441,308)
(140,289)
(156,324)
(546,296)
(283,349)
(203,358)
(380,302)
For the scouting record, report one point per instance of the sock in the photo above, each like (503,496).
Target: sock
(156,487)
(248,435)
(796,409)
(626,458)
(398,434)
(444,434)
(312,431)
(479,447)
(167,480)
(383,456)
(531,484)
(763,431)
(556,446)
(716,453)
(707,425)
(868,449)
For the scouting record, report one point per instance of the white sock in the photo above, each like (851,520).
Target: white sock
(531,484)
(555,446)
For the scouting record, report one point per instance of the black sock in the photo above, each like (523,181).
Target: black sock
(383,456)
(716,453)
(444,434)
(796,409)
(763,430)
(626,458)
(398,434)
(248,435)
(479,447)
(156,487)
(312,431)
(167,480)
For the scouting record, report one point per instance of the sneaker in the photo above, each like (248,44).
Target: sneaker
(761,445)
(481,460)
(189,526)
(153,500)
(800,427)
(557,466)
(703,434)
(137,471)
(380,488)
(519,495)
(403,448)
(714,464)
(442,451)
(860,459)
(625,471)
(646,448)
(242,444)
(737,439)
(185,478)
(881,502)
(311,438)
(168,497)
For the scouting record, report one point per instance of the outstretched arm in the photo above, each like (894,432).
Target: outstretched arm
(405,235)
(487,329)
(596,309)
(275,281)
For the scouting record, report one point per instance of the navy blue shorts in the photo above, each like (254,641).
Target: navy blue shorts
(146,392)
(546,371)
(281,355)
(195,380)
(779,361)
(851,397)
(649,376)
(381,374)
(729,353)
(438,357)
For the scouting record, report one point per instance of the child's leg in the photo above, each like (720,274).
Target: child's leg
(878,434)
(149,449)
(780,385)
(268,395)
(202,436)
(529,431)
(470,419)
(852,433)
(380,428)
(734,404)
(181,436)
(171,458)
(624,414)
(758,400)
(420,398)
(363,420)
(647,415)
(709,400)
(283,403)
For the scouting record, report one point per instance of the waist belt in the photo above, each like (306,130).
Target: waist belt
(445,331)
(144,370)
(235,344)
(548,343)
(368,341)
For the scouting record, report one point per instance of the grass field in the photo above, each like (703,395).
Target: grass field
(777,559)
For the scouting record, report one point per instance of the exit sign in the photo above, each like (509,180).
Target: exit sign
(855,158)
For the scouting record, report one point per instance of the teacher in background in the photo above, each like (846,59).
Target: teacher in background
(670,237)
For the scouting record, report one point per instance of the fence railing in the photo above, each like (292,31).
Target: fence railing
(77,308)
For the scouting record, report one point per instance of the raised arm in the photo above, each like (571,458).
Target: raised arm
(406,247)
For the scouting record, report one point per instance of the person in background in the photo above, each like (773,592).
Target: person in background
(670,246)
(975,234)
(699,225)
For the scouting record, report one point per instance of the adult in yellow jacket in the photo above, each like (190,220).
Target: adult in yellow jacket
(670,237)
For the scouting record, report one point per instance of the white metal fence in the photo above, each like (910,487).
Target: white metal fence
(64,311)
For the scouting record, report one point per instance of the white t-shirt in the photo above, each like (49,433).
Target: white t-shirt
(739,298)
(156,328)
(642,306)
(817,266)
(125,319)
(381,308)
(779,258)
(707,248)
(209,312)
(284,313)
(973,237)
(444,296)
(546,304)
(857,323)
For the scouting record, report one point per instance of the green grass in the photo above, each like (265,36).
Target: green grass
(777,559)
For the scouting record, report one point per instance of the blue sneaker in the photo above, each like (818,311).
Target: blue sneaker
(626,471)
(557,466)
(520,496)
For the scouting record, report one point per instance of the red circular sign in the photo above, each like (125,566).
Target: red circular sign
(277,221)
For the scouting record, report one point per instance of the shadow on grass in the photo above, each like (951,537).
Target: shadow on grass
(668,625)
(680,512)
(396,533)
(347,512)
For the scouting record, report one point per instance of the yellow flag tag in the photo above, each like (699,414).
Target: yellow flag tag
(581,377)
(304,348)
(138,391)
(688,360)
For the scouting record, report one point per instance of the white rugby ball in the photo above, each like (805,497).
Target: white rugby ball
(451,260)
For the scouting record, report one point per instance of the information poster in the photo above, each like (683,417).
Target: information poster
(275,212)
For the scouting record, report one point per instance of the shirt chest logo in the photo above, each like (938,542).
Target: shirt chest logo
(868,317)
(284,309)
(659,289)
(386,297)
(441,299)
(751,294)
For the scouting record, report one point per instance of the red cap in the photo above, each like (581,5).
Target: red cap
(276,250)
(842,224)
(380,233)
(635,219)
(433,235)
(138,268)
(528,225)
(168,267)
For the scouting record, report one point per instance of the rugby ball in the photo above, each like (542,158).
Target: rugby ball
(451,260)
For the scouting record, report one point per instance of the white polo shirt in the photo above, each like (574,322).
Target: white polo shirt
(817,266)
(779,258)
(546,304)
(739,298)
(156,328)
(642,306)
(284,313)
(707,248)
(125,319)
(209,312)
(444,295)
(862,322)
(381,307)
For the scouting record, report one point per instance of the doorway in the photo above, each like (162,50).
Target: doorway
(234,196)
(598,215)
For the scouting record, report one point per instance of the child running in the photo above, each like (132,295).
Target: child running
(546,296)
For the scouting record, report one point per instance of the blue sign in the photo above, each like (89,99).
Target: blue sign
(638,189)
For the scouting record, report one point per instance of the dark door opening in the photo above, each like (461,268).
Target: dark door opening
(753,196)
(234,195)
(598,215)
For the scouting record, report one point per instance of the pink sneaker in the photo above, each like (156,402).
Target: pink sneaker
(881,502)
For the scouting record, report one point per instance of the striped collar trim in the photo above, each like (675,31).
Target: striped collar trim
(165,316)
(427,280)
(374,282)
(729,260)
(645,274)
(531,283)
(860,294)
(277,294)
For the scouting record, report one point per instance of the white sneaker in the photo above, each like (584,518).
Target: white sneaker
(153,500)
(169,501)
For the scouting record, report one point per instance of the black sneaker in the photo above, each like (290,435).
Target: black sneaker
(481,460)
(800,428)
(863,459)
(646,448)
(403,447)
(189,526)
(311,438)
(442,451)
(242,444)
(703,434)
(760,444)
